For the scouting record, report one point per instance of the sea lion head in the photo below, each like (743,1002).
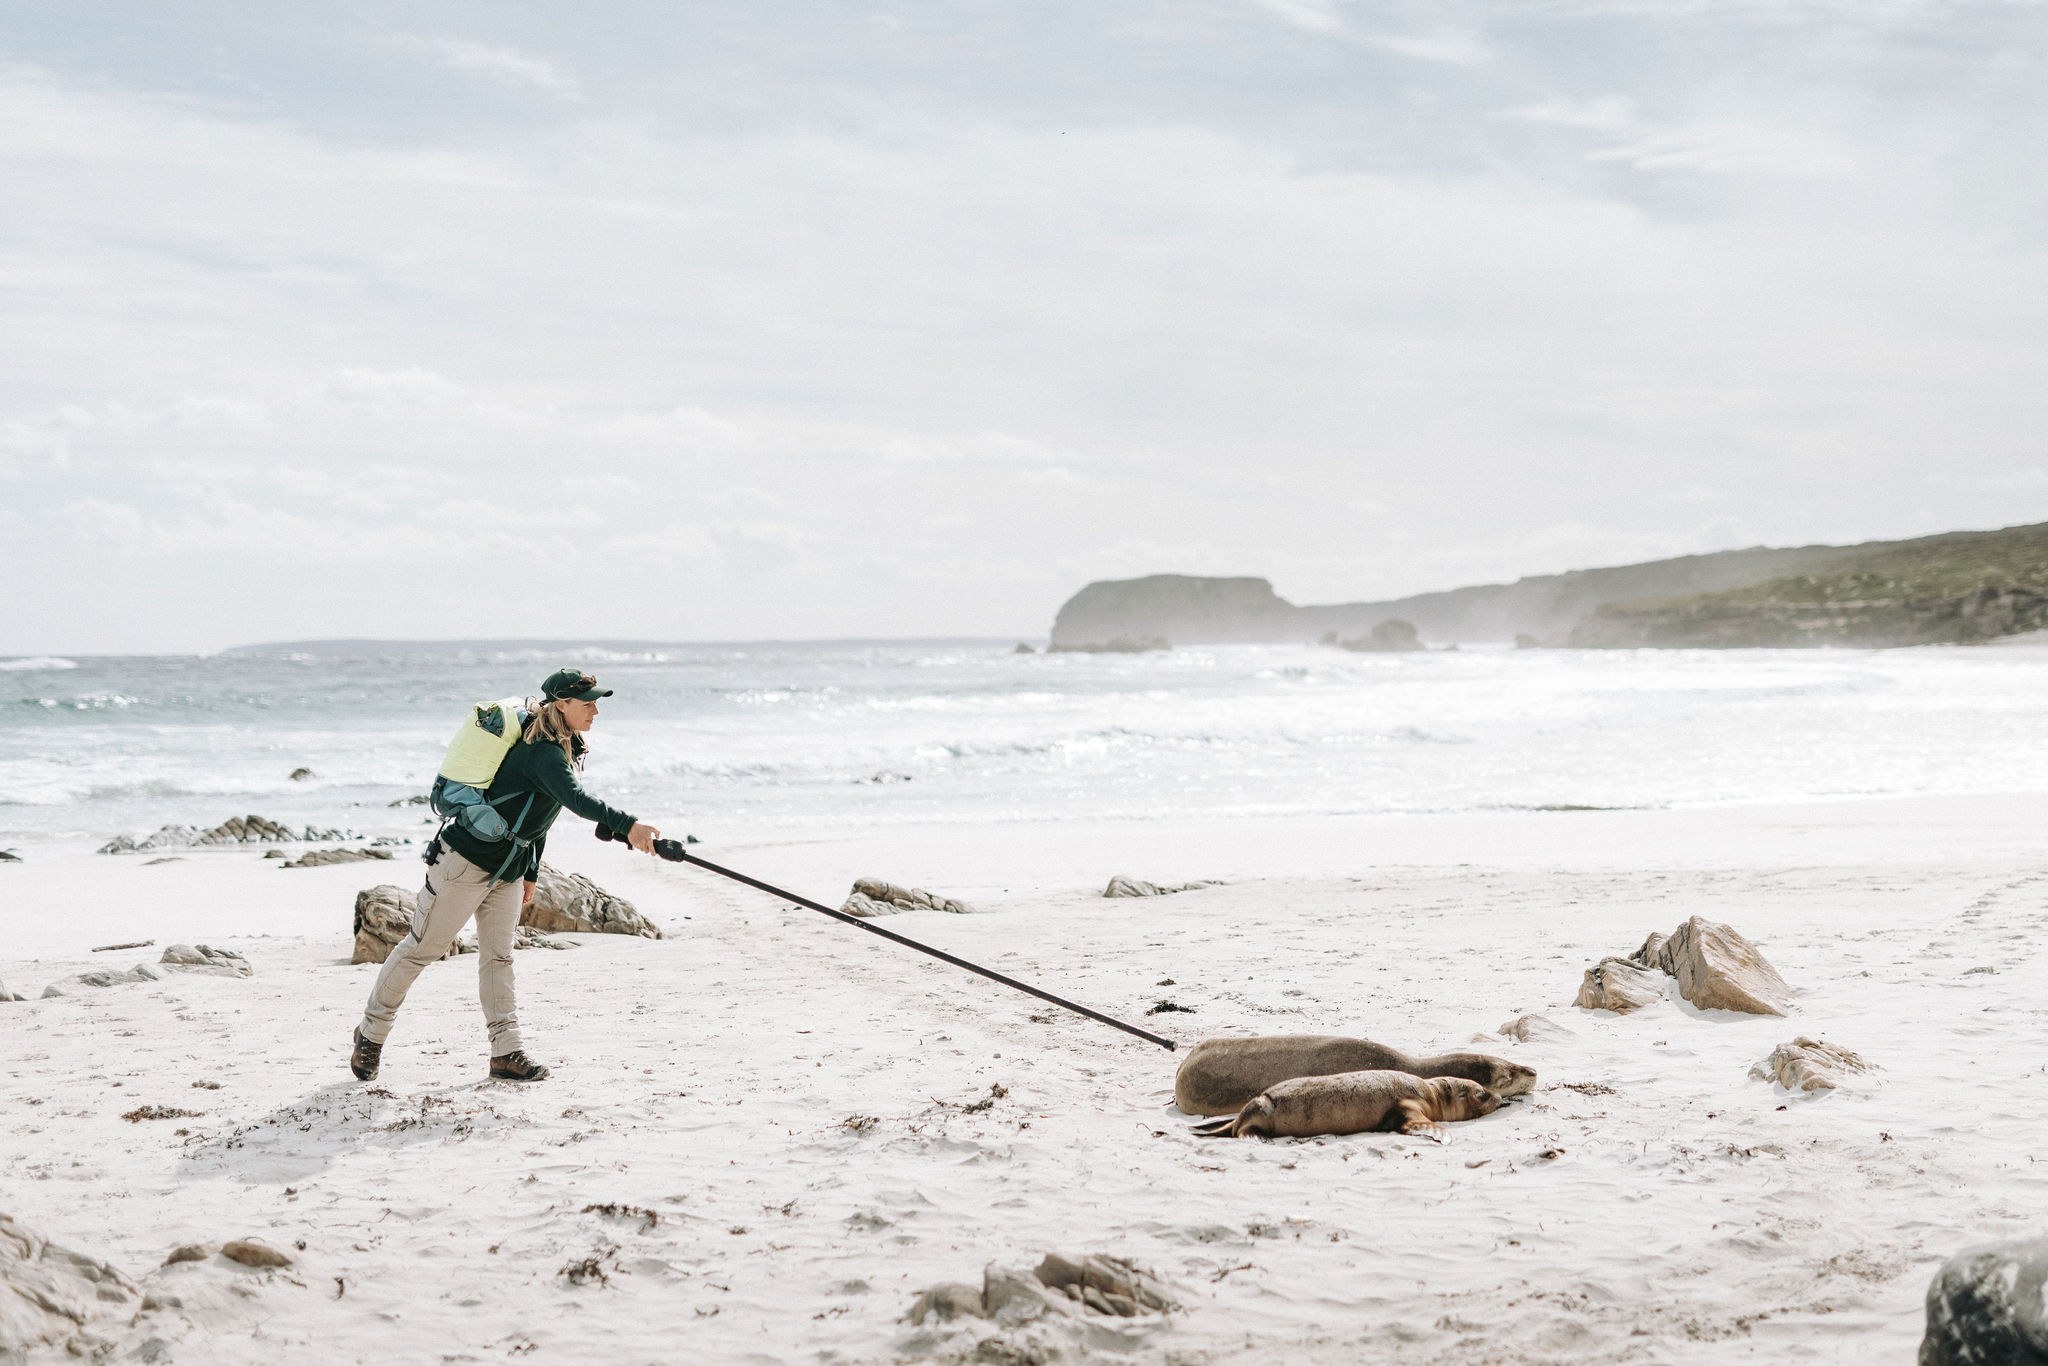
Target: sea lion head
(1510,1079)
(1454,1098)
(1497,1075)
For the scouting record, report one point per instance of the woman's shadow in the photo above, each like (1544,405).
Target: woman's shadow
(304,1137)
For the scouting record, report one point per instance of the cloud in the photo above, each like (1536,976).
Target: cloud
(1451,47)
(410,386)
(1601,113)
(816,351)
(1315,16)
(1729,148)
(1720,148)
(1454,47)
(501,64)
(41,440)
(683,426)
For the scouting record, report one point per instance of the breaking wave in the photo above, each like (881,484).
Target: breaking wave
(732,738)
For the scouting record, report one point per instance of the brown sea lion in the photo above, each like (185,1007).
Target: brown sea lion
(1220,1075)
(1355,1103)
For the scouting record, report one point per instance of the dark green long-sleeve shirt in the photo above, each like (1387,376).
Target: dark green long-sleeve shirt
(541,771)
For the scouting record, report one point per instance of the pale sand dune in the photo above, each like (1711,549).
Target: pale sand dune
(1682,1216)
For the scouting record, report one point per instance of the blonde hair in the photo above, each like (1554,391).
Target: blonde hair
(546,723)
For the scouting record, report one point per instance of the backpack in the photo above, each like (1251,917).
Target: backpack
(480,745)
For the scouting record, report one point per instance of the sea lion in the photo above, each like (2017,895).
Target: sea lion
(1355,1103)
(1220,1075)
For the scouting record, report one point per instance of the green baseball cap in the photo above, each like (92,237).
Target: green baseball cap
(566,684)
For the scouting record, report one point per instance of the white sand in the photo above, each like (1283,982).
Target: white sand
(1685,1214)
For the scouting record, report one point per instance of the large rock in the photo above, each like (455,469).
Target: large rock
(6,995)
(1620,985)
(1808,1065)
(1177,607)
(234,830)
(568,903)
(207,959)
(49,1294)
(383,917)
(1717,969)
(562,903)
(102,977)
(1130,886)
(1988,1306)
(1651,954)
(872,897)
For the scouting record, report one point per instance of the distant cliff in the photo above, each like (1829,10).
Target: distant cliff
(1957,586)
(1548,607)
(1189,610)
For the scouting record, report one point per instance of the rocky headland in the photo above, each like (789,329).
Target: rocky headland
(1958,587)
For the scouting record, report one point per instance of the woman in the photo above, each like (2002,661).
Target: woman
(469,876)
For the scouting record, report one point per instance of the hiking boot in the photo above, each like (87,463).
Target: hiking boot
(516,1066)
(365,1058)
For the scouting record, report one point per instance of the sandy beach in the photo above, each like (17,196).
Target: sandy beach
(766,1135)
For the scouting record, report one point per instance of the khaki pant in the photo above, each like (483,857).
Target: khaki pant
(456,890)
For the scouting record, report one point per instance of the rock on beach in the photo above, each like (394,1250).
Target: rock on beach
(871,897)
(254,1252)
(1716,969)
(102,977)
(1131,886)
(1060,1285)
(563,903)
(1808,1065)
(234,830)
(49,1294)
(1989,1305)
(1531,1029)
(321,858)
(569,903)
(383,917)
(207,959)
(1619,985)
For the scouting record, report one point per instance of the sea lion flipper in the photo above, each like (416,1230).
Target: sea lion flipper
(1255,1120)
(1414,1117)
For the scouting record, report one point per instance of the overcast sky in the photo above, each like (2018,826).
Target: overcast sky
(717,321)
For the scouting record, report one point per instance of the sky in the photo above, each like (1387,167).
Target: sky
(677,321)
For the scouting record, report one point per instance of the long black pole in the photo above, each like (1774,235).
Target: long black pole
(674,852)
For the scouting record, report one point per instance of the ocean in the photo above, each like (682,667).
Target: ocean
(735,742)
